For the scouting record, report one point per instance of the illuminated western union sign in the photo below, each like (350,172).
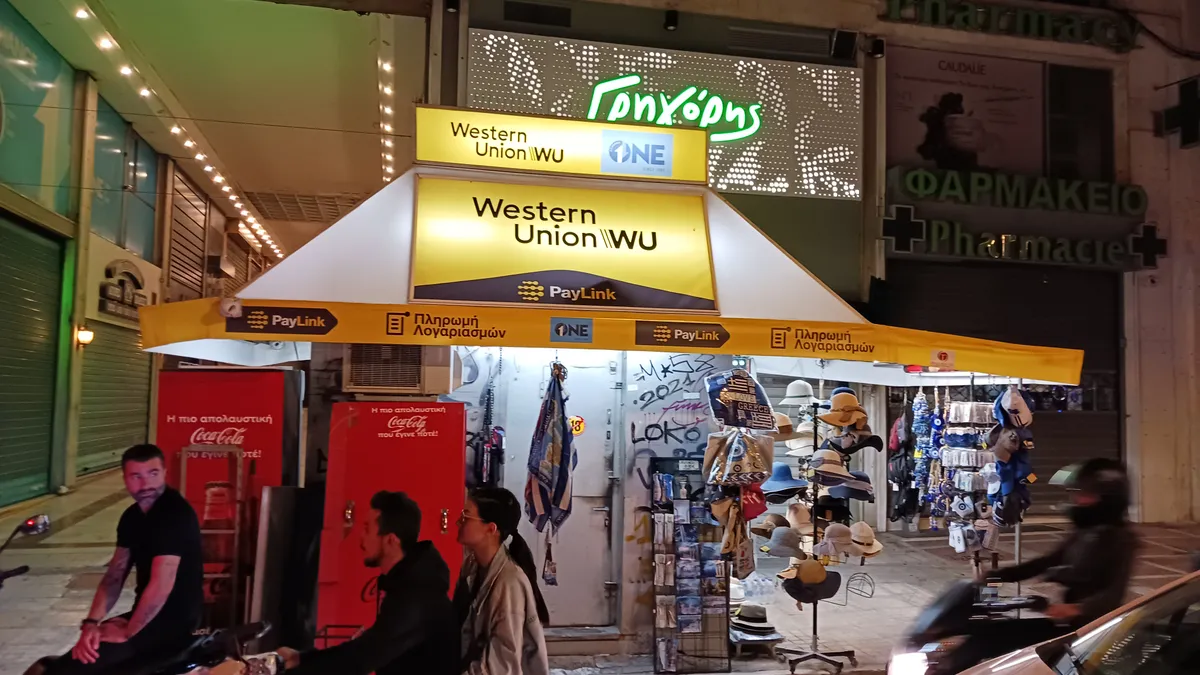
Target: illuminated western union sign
(483,242)
(553,145)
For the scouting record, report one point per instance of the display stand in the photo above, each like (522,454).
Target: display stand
(691,612)
(814,652)
(221,531)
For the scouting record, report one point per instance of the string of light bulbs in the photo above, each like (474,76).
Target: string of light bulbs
(249,228)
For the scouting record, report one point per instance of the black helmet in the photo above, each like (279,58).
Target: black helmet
(1107,480)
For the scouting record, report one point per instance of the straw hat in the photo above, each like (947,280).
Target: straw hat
(799,393)
(786,430)
(798,516)
(828,468)
(802,444)
(770,522)
(864,537)
(844,410)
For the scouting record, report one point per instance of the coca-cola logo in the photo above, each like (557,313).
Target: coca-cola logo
(226,436)
(413,423)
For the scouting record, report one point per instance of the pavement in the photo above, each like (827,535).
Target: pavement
(40,611)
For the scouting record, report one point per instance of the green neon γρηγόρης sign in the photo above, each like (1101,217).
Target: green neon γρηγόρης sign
(706,110)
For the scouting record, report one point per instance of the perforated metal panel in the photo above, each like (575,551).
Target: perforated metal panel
(383,368)
(808,142)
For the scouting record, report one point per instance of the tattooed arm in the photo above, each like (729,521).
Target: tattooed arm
(162,581)
(107,594)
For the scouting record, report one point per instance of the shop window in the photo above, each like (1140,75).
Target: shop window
(1079,123)
(126,185)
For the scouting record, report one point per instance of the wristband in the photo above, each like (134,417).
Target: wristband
(88,622)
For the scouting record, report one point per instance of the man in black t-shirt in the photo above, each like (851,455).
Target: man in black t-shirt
(159,535)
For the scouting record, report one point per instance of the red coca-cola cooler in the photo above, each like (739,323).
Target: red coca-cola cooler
(241,431)
(415,447)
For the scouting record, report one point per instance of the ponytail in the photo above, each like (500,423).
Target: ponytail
(499,506)
(519,551)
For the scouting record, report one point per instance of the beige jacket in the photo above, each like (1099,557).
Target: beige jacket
(502,634)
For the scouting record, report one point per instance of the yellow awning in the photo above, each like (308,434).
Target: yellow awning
(426,324)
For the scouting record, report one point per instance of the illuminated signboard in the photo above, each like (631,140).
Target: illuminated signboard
(774,127)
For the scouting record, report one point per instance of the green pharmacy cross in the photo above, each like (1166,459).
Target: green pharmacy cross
(726,121)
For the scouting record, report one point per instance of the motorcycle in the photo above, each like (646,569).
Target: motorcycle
(222,653)
(931,645)
(30,527)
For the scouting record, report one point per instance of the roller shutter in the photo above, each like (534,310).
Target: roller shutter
(115,405)
(31,278)
(1035,305)
(189,212)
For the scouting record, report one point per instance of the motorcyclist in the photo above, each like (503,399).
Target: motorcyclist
(1093,565)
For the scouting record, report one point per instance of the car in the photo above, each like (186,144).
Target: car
(1156,634)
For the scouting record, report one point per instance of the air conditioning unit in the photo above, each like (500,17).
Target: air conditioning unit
(405,370)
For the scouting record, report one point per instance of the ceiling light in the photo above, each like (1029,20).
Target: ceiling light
(176,130)
(387,128)
(387,110)
(245,212)
(105,43)
(226,189)
(387,91)
(208,168)
(218,178)
(387,67)
(387,142)
(389,169)
(199,156)
(257,227)
(238,206)
(126,70)
(233,198)
(81,14)
(278,255)
(388,157)
(144,93)
(188,143)
(452,6)
(671,20)
(387,179)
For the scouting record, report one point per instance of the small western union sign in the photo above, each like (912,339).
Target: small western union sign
(553,145)
(481,242)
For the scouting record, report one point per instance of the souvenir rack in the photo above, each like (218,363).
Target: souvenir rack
(691,577)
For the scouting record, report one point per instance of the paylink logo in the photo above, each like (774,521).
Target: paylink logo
(638,153)
(257,319)
(579,294)
(531,291)
(662,333)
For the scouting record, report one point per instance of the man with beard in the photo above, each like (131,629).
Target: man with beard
(416,630)
(158,535)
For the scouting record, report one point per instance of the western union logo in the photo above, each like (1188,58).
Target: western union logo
(257,319)
(530,290)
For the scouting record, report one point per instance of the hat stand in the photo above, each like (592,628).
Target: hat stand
(814,653)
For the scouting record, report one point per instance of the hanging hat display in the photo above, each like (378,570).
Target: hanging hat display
(799,393)
(863,536)
(784,543)
(798,516)
(844,410)
(829,468)
(802,445)
(855,489)
(782,480)
(785,430)
(838,541)
(769,523)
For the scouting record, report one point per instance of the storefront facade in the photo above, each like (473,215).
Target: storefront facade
(37,211)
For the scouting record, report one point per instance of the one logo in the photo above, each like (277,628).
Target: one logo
(570,330)
(531,291)
(662,333)
(282,320)
(638,153)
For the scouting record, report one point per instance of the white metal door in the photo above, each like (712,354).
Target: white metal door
(582,548)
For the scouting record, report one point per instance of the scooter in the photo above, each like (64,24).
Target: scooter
(32,526)
(931,646)
(222,653)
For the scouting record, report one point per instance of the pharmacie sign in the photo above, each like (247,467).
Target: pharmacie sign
(484,242)
(550,145)
(1102,29)
(1140,247)
(773,127)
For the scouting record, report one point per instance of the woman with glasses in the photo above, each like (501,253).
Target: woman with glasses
(497,597)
